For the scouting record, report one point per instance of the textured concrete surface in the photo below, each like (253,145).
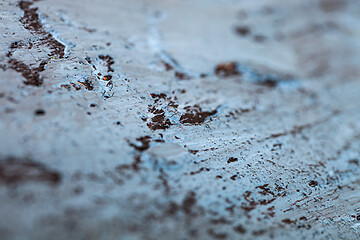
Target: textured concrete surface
(180,119)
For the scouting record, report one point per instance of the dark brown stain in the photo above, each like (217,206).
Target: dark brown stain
(109,62)
(32,23)
(299,128)
(313,183)
(332,5)
(90,30)
(182,76)
(259,38)
(232,159)
(198,171)
(21,170)
(160,121)
(32,75)
(163,177)
(269,81)
(172,209)
(39,112)
(221,220)
(216,235)
(164,106)
(193,151)
(240,229)
(233,177)
(66,86)
(354,161)
(167,65)
(243,30)
(87,84)
(265,190)
(107,77)
(135,165)
(189,202)
(194,115)
(145,143)
(288,221)
(259,232)
(227,69)
(238,112)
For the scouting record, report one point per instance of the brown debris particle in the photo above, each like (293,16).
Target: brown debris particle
(227,69)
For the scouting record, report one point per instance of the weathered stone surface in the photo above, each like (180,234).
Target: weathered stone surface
(180,119)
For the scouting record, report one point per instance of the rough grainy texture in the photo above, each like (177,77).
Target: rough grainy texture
(179,119)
